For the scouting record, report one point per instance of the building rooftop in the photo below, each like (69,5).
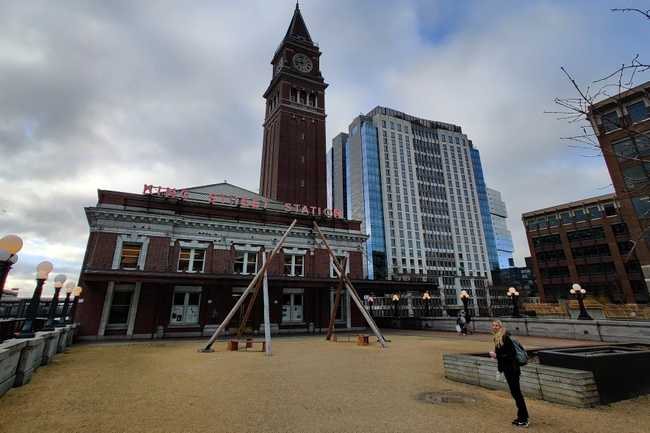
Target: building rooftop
(605,103)
(426,123)
(574,204)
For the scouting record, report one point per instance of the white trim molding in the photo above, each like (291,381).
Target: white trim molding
(106,310)
(121,239)
(133,309)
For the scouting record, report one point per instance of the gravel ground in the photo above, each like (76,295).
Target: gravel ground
(308,385)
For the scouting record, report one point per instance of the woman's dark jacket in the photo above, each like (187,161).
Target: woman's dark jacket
(507,356)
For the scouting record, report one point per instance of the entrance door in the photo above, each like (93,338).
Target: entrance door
(292,307)
(186,306)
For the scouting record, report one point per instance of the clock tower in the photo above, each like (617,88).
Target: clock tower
(293,156)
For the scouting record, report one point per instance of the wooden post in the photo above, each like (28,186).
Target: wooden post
(267,317)
(337,301)
(249,309)
(353,293)
(240,301)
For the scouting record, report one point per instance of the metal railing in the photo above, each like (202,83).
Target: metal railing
(18,308)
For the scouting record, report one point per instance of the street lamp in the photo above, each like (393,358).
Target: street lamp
(513,294)
(9,247)
(579,293)
(69,288)
(77,294)
(42,271)
(426,298)
(58,283)
(395,304)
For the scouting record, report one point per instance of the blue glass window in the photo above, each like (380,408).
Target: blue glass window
(637,111)
(373,205)
(642,206)
(610,121)
(594,212)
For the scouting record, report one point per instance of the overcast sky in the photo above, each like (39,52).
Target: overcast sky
(116,94)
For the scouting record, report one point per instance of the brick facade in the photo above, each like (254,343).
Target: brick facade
(109,307)
(585,242)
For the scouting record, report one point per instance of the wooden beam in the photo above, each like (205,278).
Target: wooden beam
(353,293)
(267,319)
(337,301)
(249,309)
(240,301)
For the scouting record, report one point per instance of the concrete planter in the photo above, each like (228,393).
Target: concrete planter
(558,385)
(71,335)
(10,352)
(63,339)
(30,359)
(51,344)
(75,332)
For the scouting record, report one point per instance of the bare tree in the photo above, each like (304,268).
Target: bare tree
(579,109)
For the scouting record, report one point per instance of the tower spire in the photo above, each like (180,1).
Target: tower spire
(297,28)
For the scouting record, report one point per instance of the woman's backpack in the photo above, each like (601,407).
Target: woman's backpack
(520,352)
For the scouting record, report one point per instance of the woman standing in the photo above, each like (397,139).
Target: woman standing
(506,356)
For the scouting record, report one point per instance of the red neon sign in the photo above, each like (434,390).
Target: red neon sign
(247,202)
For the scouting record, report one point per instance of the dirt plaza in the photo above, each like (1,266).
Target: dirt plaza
(308,385)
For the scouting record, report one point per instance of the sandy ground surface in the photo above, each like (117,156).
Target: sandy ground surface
(308,385)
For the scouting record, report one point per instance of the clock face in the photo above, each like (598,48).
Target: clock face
(302,63)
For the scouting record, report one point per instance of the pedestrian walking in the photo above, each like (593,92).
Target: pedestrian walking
(508,364)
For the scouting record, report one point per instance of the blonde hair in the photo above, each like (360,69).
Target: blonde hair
(498,335)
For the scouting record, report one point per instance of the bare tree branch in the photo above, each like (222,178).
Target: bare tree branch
(645,13)
(581,110)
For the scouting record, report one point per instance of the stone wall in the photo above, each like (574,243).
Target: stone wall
(614,331)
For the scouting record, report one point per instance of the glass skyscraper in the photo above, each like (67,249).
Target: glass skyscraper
(486,217)
(502,235)
(417,187)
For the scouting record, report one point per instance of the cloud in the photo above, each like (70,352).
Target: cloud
(116,94)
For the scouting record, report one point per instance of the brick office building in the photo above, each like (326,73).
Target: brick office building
(584,242)
(622,126)
(173,262)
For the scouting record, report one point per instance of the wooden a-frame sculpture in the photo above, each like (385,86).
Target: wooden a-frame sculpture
(261,277)
(340,270)
(253,288)
(337,301)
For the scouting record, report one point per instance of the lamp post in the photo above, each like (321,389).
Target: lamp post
(426,298)
(75,300)
(371,301)
(58,283)
(9,247)
(513,294)
(464,297)
(69,287)
(42,271)
(580,293)
(395,304)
